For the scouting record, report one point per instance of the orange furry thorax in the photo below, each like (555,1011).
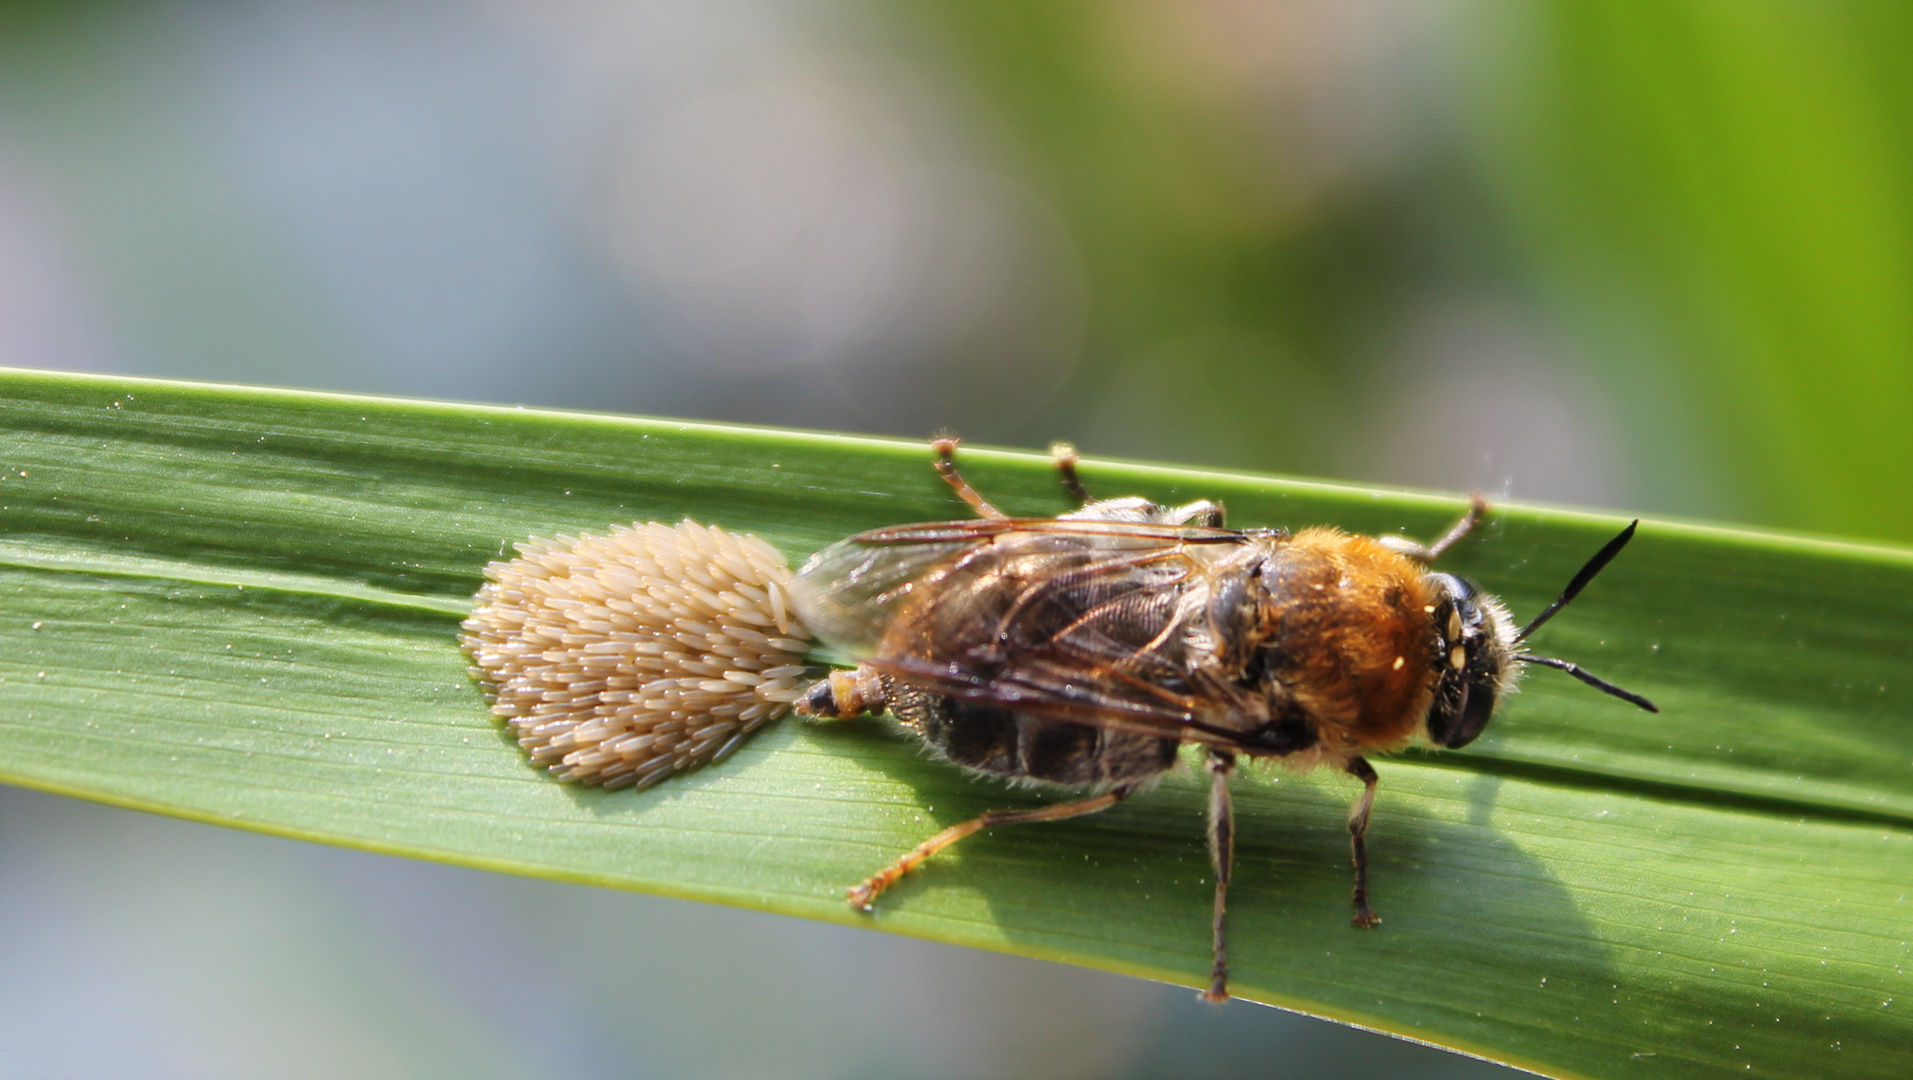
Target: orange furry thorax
(1350,618)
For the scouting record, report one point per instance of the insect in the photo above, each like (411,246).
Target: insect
(1082,651)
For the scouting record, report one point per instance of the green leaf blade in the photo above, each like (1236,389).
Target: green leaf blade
(247,604)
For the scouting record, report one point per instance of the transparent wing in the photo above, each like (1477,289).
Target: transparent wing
(1116,634)
(850,592)
(1100,622)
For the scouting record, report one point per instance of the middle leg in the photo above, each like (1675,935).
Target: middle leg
(1222,856)
(1065,457)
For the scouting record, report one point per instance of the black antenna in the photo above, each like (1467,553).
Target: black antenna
(1593,567)
(1592,680)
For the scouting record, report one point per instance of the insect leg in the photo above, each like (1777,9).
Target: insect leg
(1361,770)
(1222,854)
(945,446)
(1066,459)
(864,894)
(1477,507)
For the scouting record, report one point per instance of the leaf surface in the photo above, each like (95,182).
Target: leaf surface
(239,606)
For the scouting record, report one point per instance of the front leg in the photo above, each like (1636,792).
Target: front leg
(1427,553)
(1357,830)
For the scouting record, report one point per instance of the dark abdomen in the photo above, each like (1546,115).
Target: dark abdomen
(992,739)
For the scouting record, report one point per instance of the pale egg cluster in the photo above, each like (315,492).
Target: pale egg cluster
(619,660)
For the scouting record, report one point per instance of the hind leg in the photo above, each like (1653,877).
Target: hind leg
(1063,453)
(863,894)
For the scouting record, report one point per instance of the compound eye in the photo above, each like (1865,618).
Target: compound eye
(1469,689)
(1477,708)
(1468,659)
(1458,715)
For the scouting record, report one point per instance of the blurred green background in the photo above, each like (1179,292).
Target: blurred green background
(1646,256)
